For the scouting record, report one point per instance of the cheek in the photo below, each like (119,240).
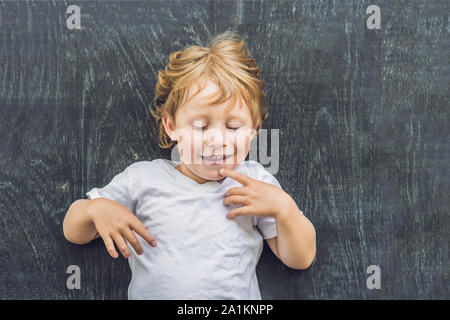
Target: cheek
(184,146)
(241,142)
(241,146)
(190,147)
(197,142)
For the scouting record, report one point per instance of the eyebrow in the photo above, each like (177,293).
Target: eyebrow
(204,115)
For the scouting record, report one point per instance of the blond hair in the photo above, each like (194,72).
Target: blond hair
(227,62)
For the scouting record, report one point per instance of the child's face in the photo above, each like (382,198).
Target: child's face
(203,130)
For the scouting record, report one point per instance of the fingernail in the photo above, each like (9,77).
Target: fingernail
(221,171)
(154,243)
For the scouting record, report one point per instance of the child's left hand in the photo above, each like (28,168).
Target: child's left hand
(257,197)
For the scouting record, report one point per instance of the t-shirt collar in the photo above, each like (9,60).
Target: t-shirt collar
(207,186)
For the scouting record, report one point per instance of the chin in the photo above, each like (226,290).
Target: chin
(208,174)
(213,176)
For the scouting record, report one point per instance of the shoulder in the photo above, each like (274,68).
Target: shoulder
(248,165)
(257,167)
(145,163)
(257,171)
(253,168)
(145,167)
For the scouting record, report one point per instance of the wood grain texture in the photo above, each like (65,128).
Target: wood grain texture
(362,114)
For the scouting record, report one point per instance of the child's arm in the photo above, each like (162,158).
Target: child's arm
(295,244)
(78,227)
(87,219)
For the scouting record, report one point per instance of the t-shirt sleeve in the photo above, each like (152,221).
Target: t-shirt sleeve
(266,225)
(117,189)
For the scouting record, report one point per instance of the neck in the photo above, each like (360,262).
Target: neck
(184,170)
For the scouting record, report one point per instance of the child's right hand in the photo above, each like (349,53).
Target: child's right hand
(115,222)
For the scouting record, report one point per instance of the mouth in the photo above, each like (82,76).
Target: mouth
(215,160)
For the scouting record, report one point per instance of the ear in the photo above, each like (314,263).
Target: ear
(169,126)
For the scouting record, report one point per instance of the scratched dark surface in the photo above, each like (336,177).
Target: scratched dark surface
(363,119)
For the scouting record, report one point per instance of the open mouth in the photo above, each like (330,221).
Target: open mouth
(215,159)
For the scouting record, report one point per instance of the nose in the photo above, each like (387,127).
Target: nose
(215,138)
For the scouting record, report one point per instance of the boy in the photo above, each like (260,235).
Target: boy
(199,222)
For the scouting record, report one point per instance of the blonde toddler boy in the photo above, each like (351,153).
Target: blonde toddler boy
(194,228)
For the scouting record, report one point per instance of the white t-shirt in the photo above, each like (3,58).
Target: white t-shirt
(200,253)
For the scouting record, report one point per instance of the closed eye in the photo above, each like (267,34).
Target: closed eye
(203,128)
(199,128)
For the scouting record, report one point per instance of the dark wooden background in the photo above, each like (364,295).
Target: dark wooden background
(363,119)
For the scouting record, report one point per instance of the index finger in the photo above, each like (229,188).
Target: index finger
(239,177)
(140,229)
